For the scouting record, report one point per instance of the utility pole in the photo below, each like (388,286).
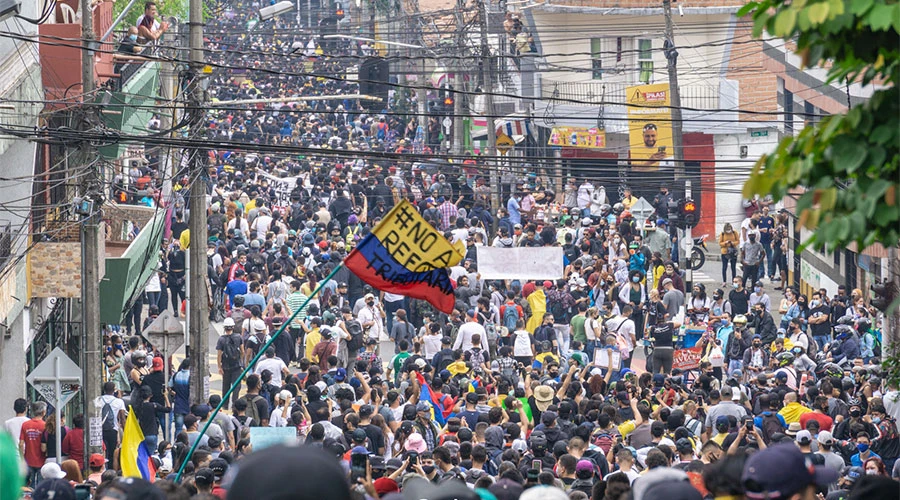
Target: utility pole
(487,72)
(677,136)
(199,283)
(457,82)
(92,339)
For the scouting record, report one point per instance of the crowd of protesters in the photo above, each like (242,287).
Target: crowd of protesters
(559,389)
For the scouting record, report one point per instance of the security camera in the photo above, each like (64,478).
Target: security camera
(9,8)
(266,13)
(680,11)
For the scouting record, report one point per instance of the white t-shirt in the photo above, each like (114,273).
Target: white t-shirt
(14,427)
(464,337)
(584,195)
(623,328)
(116,404)
(275,419)
(274,365)
(431,344)
(262,224)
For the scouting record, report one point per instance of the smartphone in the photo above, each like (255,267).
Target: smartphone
(358,463)
(413,458)
(536,464)
(749,425)
(82,492)
(662,149)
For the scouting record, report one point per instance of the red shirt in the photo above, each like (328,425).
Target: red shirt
(825,422)
(73,446)
(31,436)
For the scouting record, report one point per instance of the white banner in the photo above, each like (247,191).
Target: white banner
(543,263)
(283,187)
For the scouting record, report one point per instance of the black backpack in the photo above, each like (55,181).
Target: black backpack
(231,353)
(770,425)
(109,417)
(252,410)
(356,335)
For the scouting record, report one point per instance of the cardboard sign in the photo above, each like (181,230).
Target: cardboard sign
(687,359)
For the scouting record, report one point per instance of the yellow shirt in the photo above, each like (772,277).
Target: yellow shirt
(185,239)
(312,338)
(538,303)
(626,428)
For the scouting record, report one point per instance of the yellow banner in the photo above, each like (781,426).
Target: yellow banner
(575,137)
(415,243)
(650,126)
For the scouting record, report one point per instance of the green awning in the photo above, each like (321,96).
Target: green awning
(130,109)
(129,273)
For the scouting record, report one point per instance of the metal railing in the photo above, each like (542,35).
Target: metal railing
(704,96)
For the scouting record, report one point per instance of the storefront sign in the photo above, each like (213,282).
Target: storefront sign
(586,138)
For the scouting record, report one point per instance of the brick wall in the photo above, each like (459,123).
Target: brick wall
(758,87)
(55,269)
(115,215)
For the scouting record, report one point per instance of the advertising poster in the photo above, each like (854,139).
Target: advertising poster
(650,126)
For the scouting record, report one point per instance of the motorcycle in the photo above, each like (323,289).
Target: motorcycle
(698,253)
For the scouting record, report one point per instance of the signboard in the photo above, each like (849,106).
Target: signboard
(505,143)
(264,437)
(96,431)
(759,133)
(650,126)
(642,210)
(574,137)
(56,368)
(687,359)
(543,263)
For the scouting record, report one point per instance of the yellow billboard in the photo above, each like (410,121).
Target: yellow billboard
(650,126)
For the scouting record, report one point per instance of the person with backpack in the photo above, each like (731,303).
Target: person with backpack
(230,353)
(112,413)
(257,407)
(770,422)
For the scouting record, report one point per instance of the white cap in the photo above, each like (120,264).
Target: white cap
(322,386)
(824,437)
(284,395)
(51,470)
(257,325)
(228,322)
(804,437)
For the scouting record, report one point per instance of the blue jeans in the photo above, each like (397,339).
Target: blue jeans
(179,422)
(389,309)
(767,262)
(152,442)
(164,418)
(822,340)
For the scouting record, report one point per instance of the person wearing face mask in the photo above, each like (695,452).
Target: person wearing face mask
(719,307)
(759,296)
(129,44)
(864,450)
(738,297)
(764,325)
(887,439)
(729,242)
(699,304)
(752,255)
(756,359)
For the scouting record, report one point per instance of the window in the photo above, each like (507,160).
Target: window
(645,60)
(597,58)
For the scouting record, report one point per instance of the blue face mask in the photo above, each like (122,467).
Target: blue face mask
(133,38)
(876,420)
(757,289)
(862,447)
(636,279)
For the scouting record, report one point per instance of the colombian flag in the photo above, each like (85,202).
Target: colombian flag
(440,412)
(135,456)
(406,255)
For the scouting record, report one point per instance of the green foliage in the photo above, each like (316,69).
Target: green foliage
(849,165)
(166,8)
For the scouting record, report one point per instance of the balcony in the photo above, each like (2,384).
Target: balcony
(593,93)
(129,109)
(61,52)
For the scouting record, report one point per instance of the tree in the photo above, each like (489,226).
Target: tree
(849,165)
(166,8)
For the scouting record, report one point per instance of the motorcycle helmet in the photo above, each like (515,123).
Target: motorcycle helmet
(538,442)
(626,214)
(845,320)
(740,319)
(786,358)
(575,213)
(618,208)
(863,325)
(605,209)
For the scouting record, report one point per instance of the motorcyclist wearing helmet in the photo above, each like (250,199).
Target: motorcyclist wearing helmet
(786,372)
(848,348)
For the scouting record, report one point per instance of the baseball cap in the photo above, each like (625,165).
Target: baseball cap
(51,470)
(780,471)
(97,460)
(359,436)
(825,438)
(359,450)
(507,489)
(548,284)
(667,281)
(340,374)
(804,437)
(219,466)
(684,445)
(228,322)
(205,476)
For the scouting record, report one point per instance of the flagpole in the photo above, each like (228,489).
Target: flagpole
(262,350)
